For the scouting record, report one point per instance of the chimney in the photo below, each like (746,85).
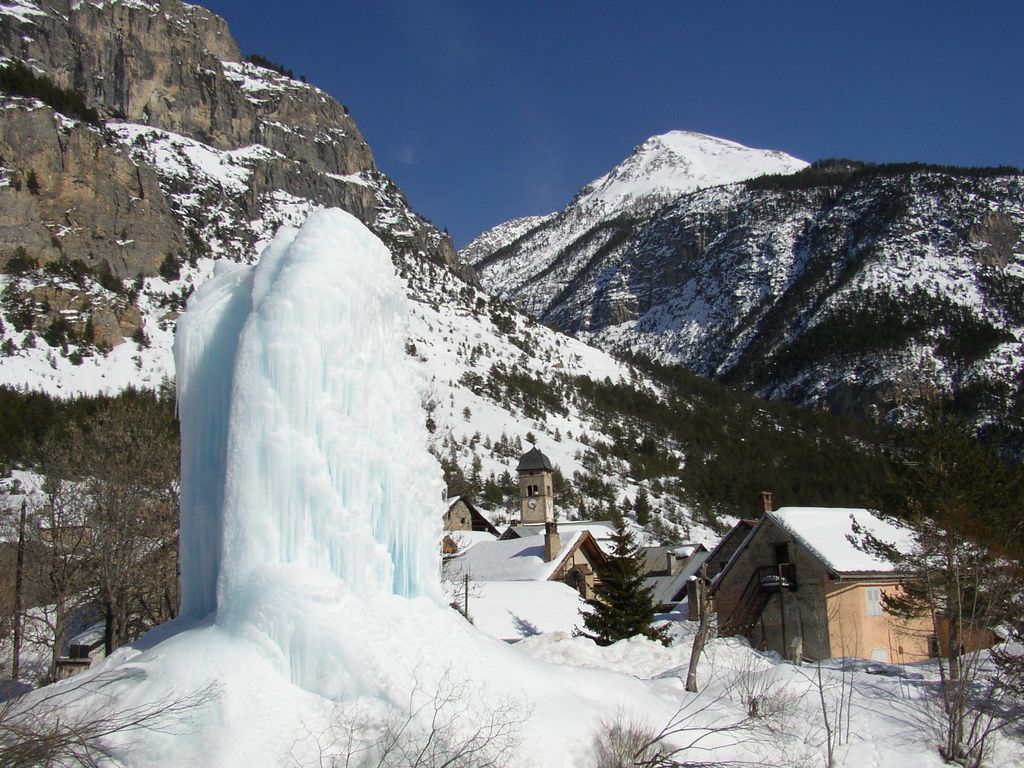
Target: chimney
(671,558)
(552,541)
(764,502)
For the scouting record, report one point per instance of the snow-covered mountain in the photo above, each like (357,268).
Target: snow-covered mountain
(524,259)
(667,166)
(868,290)
(126,216)
(108,225)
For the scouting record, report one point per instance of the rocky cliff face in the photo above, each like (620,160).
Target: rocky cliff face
(868,291)
(197,154)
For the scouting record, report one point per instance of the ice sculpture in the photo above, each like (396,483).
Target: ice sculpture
(303,441)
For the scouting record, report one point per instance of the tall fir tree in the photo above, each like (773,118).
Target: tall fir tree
(642,506)
(621,606)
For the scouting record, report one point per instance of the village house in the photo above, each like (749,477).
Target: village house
(798,585)
(539,548)
(669,572)
(464,526)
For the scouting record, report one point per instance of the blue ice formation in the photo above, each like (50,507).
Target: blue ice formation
(303,438)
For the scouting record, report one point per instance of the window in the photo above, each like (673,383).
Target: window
(874,597)
(781,553)
(533,490)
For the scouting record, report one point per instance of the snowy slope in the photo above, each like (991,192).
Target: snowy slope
(500,237)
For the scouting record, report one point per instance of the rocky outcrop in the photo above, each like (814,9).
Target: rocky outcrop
(87,200)
(997,236)
(199,153)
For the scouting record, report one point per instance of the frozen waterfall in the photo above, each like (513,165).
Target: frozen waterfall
(303,444)
(310,524)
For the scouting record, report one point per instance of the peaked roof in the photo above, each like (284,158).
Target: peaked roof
(515,559)
(532,460)
(671,589)
(480,522)
(827,532)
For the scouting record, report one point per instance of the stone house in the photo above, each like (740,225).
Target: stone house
(798,585)
(462,515)
(669,570)
(464,525)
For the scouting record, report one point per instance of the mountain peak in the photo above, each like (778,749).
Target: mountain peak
(677,162)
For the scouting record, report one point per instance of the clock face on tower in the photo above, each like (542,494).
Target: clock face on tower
(532,503)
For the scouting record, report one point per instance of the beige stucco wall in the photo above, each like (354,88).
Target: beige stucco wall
(852,632)
(583,566)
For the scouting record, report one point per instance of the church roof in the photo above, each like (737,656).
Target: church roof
(532,460)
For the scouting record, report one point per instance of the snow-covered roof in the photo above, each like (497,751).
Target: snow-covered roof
(598,529)
(463,540)
(514,559)
(91,636)
(601,530)
(512,610)
(827,532)
(656,558)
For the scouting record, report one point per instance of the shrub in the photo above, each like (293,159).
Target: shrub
(20,262)
(170,268)
(263,61)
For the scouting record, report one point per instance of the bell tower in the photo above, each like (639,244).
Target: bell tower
(536,502)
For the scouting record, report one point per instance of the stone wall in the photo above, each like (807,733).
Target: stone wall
(789,614)
(458,517)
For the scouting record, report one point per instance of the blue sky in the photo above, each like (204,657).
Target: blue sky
(486,111)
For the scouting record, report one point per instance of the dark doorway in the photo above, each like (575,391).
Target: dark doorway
(781,553)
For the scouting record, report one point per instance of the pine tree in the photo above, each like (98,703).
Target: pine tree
(621,606)
(642,506)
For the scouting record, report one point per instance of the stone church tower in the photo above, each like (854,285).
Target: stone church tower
(536,502)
